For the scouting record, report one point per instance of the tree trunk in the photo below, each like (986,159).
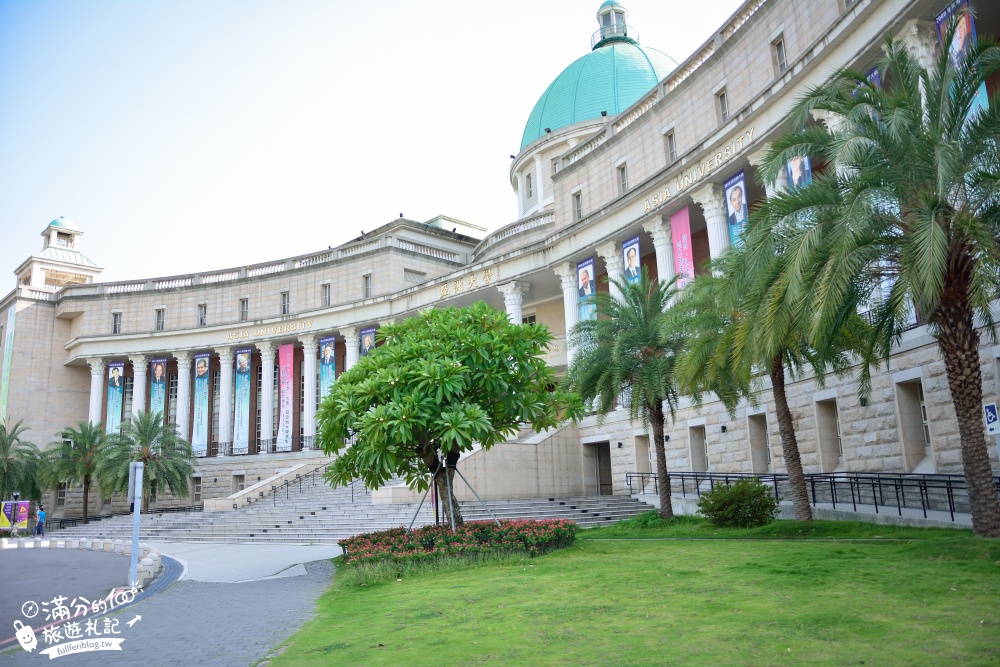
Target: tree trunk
(656,421)
(86,497)
(789,444)
(959,343)
(145,502)
(448,500)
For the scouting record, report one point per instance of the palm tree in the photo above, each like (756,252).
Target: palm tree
(626,351)
(908,207)
(18,462)
(73,459)
(167,457)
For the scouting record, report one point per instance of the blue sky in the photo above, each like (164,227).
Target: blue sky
(185,136)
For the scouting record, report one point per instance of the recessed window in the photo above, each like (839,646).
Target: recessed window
(244,310)
(61,494)
(286,304)
(202,314)
(160,319)
(116,323)
(367,286)
(622,179)
(578,205)
(64,240)
(723,102)
(239,483)
(671,145)
(555,165)
(325,294)
(196,489)
(528,191)
(528,319)
(780,58)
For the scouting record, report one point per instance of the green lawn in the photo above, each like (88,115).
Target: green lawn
(921,598)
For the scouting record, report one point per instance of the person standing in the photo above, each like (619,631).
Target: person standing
(40,521)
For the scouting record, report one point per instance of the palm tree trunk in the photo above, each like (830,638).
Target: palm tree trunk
(86,497)
(656,421)
(959,343)
(789,444)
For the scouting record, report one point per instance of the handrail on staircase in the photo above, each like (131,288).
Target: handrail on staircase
(312,474)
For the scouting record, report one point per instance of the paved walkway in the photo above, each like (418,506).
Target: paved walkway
(234,604)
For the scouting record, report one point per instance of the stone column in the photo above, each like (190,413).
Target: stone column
(611,253)
(513,298)
(780,183)
(183,393)
(139,362)
(920,39)
(267,350)
(226,371)
(310,349)
(97,367)
(541,181)
(351,342)
(659,229)
(571,293)
(712,202)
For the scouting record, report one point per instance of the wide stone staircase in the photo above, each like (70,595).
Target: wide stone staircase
(313,513)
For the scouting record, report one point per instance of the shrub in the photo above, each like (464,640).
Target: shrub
(469,541)
(746,504)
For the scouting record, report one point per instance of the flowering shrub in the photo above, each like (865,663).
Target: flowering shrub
(470,540)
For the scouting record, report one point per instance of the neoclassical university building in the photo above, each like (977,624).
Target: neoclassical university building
(628,159)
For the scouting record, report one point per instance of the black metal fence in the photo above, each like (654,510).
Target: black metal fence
(882,490)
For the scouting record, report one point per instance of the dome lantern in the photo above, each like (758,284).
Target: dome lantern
(611,19)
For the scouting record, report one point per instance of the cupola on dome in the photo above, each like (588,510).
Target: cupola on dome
(611,78)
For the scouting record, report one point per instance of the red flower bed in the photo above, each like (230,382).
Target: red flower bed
(431,542)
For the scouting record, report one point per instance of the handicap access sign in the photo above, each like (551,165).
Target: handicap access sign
(992,419)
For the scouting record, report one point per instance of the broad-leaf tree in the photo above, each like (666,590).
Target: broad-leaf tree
(440,384)
(626,351)
(908,207)
(73,459)
(167,458)
(19,461)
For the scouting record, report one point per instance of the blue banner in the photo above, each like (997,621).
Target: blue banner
(241,413)
(367,341)
(327,365)
(116,386)
(586,308)
(202,418)
(965,38)
(633,263)
(735,189)
(8,357)
(158,386)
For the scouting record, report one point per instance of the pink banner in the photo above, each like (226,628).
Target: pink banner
(283,443)
(680,232)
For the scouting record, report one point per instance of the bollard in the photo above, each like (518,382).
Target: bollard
(119,546)
(73,544)
(84,543)
(109,545)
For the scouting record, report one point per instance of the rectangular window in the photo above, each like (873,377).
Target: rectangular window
(244,310)
(160,319)
(780,60)
(671,144)
(239,483)
(367,287)
(555,166)
(202,314)
(285,303)
(127,392)
(723,99)
(760,445)
(325,295)
(528,319)
(257,434)
(622,179)
(116,323)
(831,451)
(196,490)
(914,426)
(302,406)
(172,400)
(528,191)
(578,205)
(61,494)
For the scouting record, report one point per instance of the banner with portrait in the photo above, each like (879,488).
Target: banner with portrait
(874,77)
(799,172)
(8,357)
(965,38)
(587,288)
(241,407)
(633,261)
(327,365)
(201,417)
(367,341)
(158,386)
(116,388)
(735,189)
(283,443)
(680,234)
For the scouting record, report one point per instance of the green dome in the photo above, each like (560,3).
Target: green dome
(610,78)
(63,222)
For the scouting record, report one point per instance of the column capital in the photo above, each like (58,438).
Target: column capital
(226,355)
(567,275)
(309,341)
(920,38)
(182,357)
(659,229)
(387,322)
(350,336)
(611,253)
(266,348)
(138,360)
(711,199)
(97,365)
(756,158)
(832,121)
(513,291)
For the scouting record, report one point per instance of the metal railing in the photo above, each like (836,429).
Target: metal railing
(265,446)
(311,476)
(883,490)
(74,521)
